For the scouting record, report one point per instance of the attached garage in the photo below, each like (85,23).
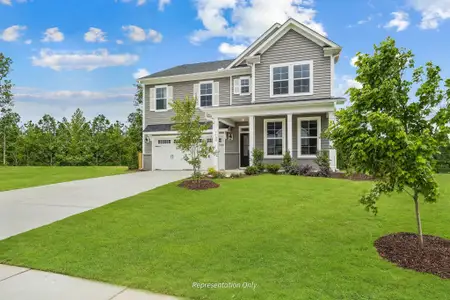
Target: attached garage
(166,156)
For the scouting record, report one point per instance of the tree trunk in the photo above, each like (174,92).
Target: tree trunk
(419,223)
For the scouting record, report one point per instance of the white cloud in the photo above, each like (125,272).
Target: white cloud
(28,42)
(138,34)
(353,60)
(95,35)
(12,33)
(245,21)
(100,58)
(231,50)
(119,42)
(400,21)
(138,2)
(433,12)
(53,35)
(162,4)
(33,103)
(9,2)
(141,73)
(343,83)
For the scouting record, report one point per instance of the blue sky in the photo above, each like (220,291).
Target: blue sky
(87,54)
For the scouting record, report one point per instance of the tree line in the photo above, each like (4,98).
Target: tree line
(73,141)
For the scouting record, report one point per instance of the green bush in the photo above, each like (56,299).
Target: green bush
(212,172)
(287,162)
(236,175)
(273,168)
(258,156)
(323,161)
(252,170)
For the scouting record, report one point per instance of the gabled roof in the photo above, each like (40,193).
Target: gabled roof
(191,69)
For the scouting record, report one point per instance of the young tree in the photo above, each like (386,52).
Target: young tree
(389,135)
(48,127)
(190,132)
(6,98)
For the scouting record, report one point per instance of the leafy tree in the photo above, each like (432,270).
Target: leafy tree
(6,98)
(99,142)
(49,139)
(190,132)
(389,135)
(10,146)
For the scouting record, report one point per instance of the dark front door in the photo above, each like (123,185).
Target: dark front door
(244,153)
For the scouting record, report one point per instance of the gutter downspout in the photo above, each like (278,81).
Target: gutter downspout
(253,82)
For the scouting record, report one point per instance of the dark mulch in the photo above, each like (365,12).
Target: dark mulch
(356,177)
(403,250)
(203,184)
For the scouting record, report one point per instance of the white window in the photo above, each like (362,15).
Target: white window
(242,86)
(164,142)
(206,94)
(291,79)
(309,130)
(161,97)
(274,138)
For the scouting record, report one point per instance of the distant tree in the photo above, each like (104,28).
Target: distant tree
(11,137)
(99,143)
(49,139)
(134,130)
(6,99)
(190,132)
(389,135)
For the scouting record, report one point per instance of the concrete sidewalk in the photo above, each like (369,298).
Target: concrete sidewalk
(25,284)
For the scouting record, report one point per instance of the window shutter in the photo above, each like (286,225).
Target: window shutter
(195,94)
(237,86)
(152,99)
(250,85)
(169,97)
(216,95)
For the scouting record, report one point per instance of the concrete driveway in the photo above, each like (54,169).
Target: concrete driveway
(25,209)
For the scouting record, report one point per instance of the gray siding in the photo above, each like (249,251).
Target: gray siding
(294,47)
(232,148)
(147,162)
(180,91)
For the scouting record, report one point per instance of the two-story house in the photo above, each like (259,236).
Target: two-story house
(276,96)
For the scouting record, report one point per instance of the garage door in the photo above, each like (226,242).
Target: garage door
(166,156)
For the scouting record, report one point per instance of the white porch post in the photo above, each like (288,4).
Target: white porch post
(332,151)
(289,135)
(215,130)
(251,127)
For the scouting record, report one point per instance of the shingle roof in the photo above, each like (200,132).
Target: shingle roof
(192,68)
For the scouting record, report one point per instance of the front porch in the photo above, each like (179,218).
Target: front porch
(276,128)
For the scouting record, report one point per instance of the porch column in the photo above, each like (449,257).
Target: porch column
(332,152)
(251,129)
(289,135)
(215,130)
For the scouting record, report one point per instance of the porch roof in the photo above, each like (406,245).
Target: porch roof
(274,108)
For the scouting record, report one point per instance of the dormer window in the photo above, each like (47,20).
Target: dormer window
(291,79)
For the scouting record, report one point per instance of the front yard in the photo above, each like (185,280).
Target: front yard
(23,177)
(294,237)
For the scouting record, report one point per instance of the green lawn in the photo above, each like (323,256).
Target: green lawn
(295,237)
(22,177)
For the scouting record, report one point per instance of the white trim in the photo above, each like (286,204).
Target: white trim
(332,75)
(143,124)
(242,56)
(249,85)
(167,98)
(253,83)
(240,132)
(291,78)
(301,29)
(199,95)
(283,122)
(196,76)
(168,133)
(251,134)
(231,90)
(290,134)
(299,135)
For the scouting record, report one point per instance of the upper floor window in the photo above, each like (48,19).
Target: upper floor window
(242,86)
(161,97)
(291,79)
(206,94)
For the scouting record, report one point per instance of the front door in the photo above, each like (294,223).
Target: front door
(244,151)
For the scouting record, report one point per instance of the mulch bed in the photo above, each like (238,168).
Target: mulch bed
(356,177)
(403,250)
(203,184)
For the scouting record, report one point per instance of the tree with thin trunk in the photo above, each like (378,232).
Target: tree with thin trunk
(190,133)
(6,98)
(391,132)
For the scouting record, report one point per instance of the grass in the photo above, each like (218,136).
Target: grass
(23,177)
(295,237)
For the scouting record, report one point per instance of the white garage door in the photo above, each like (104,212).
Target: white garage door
(166,156)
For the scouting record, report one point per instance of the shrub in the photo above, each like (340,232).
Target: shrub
(252,170)
(212,171)
(236,175)
(220,175)
(273,168)
(323,161)
(306,170)
(287,161)
(292,170)
(258,156)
